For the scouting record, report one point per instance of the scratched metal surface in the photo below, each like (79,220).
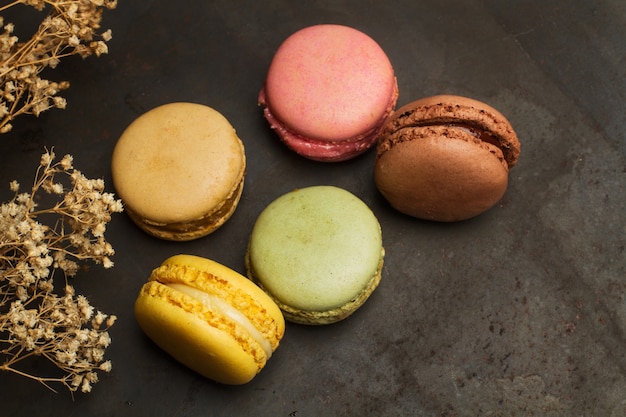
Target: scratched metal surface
(520,311)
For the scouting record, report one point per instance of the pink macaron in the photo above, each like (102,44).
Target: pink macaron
(329,89)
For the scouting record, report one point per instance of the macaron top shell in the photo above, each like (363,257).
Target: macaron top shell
(456,112)
(330,83)
(177,162)
(218,280)
(315,248)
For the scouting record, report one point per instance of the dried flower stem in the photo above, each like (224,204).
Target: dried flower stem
(69,28)
(34,320)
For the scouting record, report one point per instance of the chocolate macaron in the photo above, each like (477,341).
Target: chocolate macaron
(445,158)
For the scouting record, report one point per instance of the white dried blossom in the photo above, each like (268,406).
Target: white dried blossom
(68,28)
(106,366)
(107,35)
(66,162)
(59,102)
(35,321)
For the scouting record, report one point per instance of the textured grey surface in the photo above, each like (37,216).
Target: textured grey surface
(519,312)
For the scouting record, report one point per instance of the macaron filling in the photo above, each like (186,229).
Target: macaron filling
(216,304)
(473,130)
(482,134)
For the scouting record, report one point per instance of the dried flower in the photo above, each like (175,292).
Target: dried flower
(69,28)
(34,320)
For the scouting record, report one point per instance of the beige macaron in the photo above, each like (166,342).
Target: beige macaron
(179,169)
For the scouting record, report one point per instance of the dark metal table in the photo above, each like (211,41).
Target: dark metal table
(521,311)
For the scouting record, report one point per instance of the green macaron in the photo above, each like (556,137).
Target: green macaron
(317,252)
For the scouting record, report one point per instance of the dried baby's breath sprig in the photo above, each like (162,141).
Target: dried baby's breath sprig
(36,241)
(70,27)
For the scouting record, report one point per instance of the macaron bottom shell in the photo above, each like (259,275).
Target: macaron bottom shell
(327,150)
(311,317)
(195,229)
(442,177)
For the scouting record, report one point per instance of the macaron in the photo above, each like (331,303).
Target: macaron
(329,89)
(318,252)
(445,158)
(209,318)
(179,169)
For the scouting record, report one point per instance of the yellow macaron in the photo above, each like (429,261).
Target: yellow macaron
(210,318)
(179,168)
